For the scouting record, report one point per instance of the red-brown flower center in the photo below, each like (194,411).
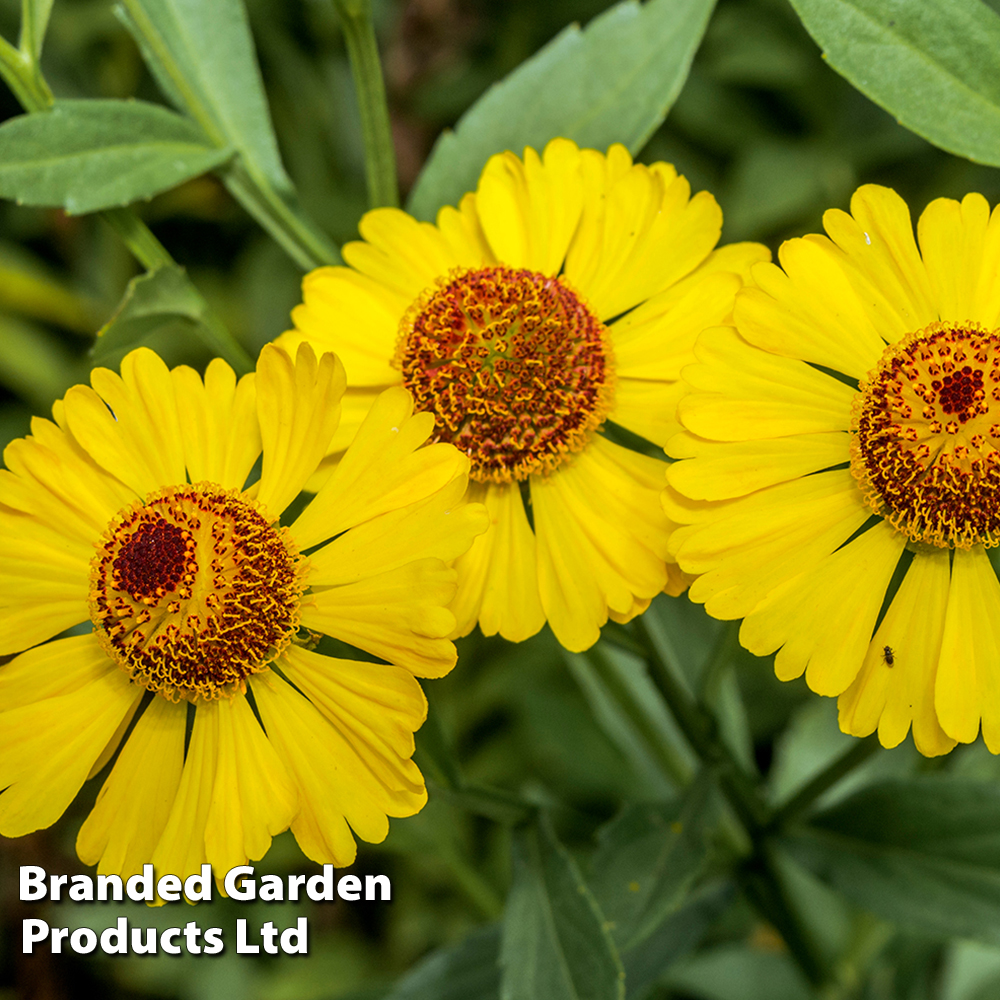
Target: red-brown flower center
(927,434)
(516,369)
(192,591)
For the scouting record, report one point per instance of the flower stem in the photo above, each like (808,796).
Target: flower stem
(760,874)
(362,50)
(827,778)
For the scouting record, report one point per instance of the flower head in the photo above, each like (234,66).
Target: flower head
(564,293)
(139,509)
(841,475)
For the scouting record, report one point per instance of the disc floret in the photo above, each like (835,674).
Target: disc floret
(927,432)
(193,590)
(516,368)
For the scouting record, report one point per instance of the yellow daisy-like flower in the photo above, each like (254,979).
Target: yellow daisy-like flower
(132,510)
(565,292)
(841,475)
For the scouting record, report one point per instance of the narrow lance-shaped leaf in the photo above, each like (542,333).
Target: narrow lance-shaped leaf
(923,852)
(85,156)
(34,21)
(556,944)
(614,81)
(202,55)
(933,64)
(159,302)
(469,970)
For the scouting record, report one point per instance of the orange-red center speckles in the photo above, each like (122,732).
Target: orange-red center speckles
(514,366)
(192,591)
(927,433)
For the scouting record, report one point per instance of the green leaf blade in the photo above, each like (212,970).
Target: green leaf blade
(613,81)
(924,852)
(203,57)
(85,156)
(933,64)
(556,944)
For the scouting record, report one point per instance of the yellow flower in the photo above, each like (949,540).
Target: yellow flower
(566,291)
(841,475)
(131,510)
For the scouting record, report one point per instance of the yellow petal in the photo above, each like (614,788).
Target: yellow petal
(498,576)
(181,847)
(718,470)
(823,619)
(52,478)
(529,209)
(461,229)
(400,616)
(219,426)
(892,697)
(354,316)
(640,232)
(762,540)
(384,469)
(298,405)
(132,808)
(138,439)
(602,539)
(442,526)
(656,339)
(335,785)
(253,798)
(376,708)
(967,686)
(401,254)
(880,259)
(53,669)
(648,408)
(47,749)
(811,310)
(740,393)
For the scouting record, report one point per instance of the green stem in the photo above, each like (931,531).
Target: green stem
(138,237)
(800,802)
(674,767)
(760,875)
(290,231)
(362,50)
(21,74)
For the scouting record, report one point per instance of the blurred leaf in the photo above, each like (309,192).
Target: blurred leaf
(971,972)
(924,852)
(934,65)
(556,944)
(467,971)
(34,20)
(616,685)
(202,55)
(614,81)
(89,155)
(27,287)
(679,934)
(646,860)
(160,301)
(35,364)
(739,972)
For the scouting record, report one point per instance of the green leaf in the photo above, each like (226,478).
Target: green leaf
(157,304)
(34,20)
(202,55)
(614,81)
(647,859)
(934,65)
(738,972)
(35,364)
(88,155)
(468,971)
(924,852)
(556,944)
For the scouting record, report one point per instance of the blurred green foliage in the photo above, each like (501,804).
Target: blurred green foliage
(778,137)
